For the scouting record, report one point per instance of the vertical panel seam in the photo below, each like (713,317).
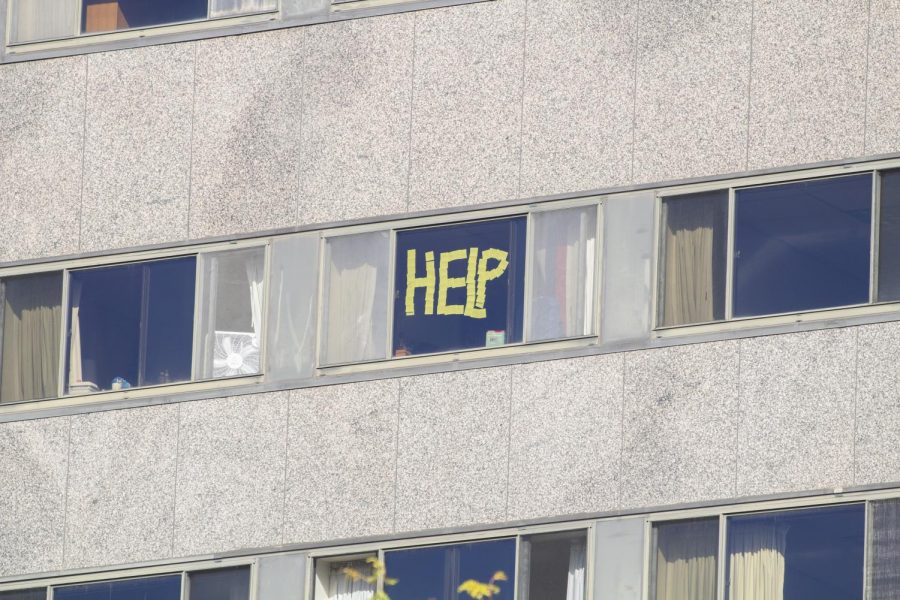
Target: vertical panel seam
(301,145)
(175,487)
(66,494)
(509,439)
(409,145)
(865,139)
(634,86)
(284,487)
(84,136)
(855,405)
(191,142)
(522,99)
(397,454)
(750,83)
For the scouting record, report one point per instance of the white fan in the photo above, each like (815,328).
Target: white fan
(236,353)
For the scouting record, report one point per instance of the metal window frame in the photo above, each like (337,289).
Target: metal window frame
(732,323)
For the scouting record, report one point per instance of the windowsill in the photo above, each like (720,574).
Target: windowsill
(168,389)
(749,323)
(458,356)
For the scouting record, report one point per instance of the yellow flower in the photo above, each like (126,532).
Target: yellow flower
(478,590)
(499,576)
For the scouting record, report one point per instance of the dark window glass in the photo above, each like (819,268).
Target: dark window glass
(131,325)
(802,246)
(32,321)
(889,238)
(436,572)
(814,554)
(167,587)
(35,594)
(113,15)
(694,242)
(459,286)
(552,566)
(683,560)
(221,584)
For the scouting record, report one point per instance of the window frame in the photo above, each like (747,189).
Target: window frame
(732,323)
(66,266)
(526,346)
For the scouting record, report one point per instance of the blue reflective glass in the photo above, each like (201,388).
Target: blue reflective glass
(436,572)
(131,325)
(814,554)
(459,286)
(167,587)
(112,15)
(802,246)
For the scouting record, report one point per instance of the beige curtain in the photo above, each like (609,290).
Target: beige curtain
(341,587)
(690,262)
(756,561)
(686,560)
(31,330)
(35,20)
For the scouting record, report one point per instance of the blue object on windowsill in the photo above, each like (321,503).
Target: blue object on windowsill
(119,383)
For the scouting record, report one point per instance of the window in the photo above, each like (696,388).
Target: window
(35,594)
(165,587)
(222,584)
(795,247)
(683,560)
(43,20)
(552,566)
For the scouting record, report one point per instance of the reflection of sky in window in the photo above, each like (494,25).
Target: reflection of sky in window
(435,573)
(802,246)
(823,550)
(422,333)
(146,13)
(147,588)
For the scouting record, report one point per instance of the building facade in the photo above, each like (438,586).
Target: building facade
(602,295)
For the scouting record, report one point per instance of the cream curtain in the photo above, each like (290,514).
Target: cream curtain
(34,20)
(341,587)
(692,259)
(883,582)
(575,578)
(756,560)
(225,8)
(686,560)
(31,333)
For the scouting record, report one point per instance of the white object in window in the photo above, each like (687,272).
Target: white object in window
(341,587)
(228,8)
(236,353)
(575,577)
(36,20)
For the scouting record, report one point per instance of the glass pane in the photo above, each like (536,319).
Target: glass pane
(293,294)
(227,8)
(684,560)
(356,288)
(36,20)
(884,550)
(336,582)
(231,319)
(802,246)
(113,15)
(32,321)
(221,584)
(167,587)
(35,594)
(436,572)
(889,238)
(562,273)
(459,286)
(552,566)
(797,555)
(694,245)
(131,325)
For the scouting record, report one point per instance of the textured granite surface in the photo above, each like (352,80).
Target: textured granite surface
(877,441)
(883,78)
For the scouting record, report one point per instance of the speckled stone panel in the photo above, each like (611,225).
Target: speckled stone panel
(246,149)
(41,136)
(680,424)
(453,449)
(877,449)
(566,437)
(341,469)
(121,486)
(883,111)
(693,71)
(797,412)
(808,90)
(356,117)
(467,102)
(137,146)
(578,104)
(33,467)
(231,461)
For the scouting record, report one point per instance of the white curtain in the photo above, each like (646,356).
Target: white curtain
(75,357)
(35,20)
(225,8)
(562,273)
(341,587)
(685,560)
(756,560)
(575,579)
(255,282)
